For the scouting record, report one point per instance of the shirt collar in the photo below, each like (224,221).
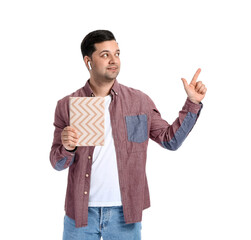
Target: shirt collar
(89,92)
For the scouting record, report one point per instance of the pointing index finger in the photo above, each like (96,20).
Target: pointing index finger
(195,76)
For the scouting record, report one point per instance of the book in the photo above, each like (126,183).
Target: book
(87,116)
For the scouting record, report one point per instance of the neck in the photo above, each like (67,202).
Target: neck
(101,89)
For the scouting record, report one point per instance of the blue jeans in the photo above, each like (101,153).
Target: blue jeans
(107,222)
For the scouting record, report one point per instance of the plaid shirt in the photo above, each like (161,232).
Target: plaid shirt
(134,119)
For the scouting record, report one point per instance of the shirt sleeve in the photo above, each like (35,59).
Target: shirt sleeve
(60,158)
(172,136)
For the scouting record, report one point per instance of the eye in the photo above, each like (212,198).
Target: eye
(117,54)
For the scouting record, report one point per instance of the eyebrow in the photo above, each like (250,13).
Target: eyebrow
(109,51)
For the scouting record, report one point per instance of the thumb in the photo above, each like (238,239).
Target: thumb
(184,82)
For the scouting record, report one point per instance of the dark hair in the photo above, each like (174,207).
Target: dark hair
(98,36)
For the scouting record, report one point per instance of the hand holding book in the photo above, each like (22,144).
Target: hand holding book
(69,138)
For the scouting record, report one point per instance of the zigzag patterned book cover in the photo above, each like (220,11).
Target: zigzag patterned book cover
(87,116)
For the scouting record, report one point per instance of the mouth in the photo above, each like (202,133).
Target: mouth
(112,68)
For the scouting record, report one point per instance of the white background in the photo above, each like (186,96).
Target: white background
(201,191)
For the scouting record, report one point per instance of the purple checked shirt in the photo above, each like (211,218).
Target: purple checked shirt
(134,119)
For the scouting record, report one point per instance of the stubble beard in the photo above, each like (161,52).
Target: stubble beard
(110,77)
(106,77)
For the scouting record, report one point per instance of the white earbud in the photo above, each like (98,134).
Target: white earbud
(89,64)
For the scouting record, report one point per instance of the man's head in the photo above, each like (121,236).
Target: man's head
(100,51)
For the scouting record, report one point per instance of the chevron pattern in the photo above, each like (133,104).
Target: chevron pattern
(87,116)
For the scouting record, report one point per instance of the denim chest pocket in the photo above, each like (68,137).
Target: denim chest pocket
(136,127)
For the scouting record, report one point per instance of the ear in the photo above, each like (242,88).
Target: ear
(86,60)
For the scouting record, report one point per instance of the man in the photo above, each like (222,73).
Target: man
(107,186)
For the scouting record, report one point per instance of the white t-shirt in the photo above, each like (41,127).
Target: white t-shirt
(104,187)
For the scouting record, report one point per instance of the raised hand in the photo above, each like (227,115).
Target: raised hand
(196,91)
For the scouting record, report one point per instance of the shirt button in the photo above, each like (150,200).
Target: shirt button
(85,192)
(89,157)
(87,175)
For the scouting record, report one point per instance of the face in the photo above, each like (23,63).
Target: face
(105,61)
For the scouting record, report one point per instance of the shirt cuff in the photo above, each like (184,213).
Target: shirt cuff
(192,107)
(69,152)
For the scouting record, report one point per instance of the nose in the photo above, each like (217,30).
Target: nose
(112,60)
